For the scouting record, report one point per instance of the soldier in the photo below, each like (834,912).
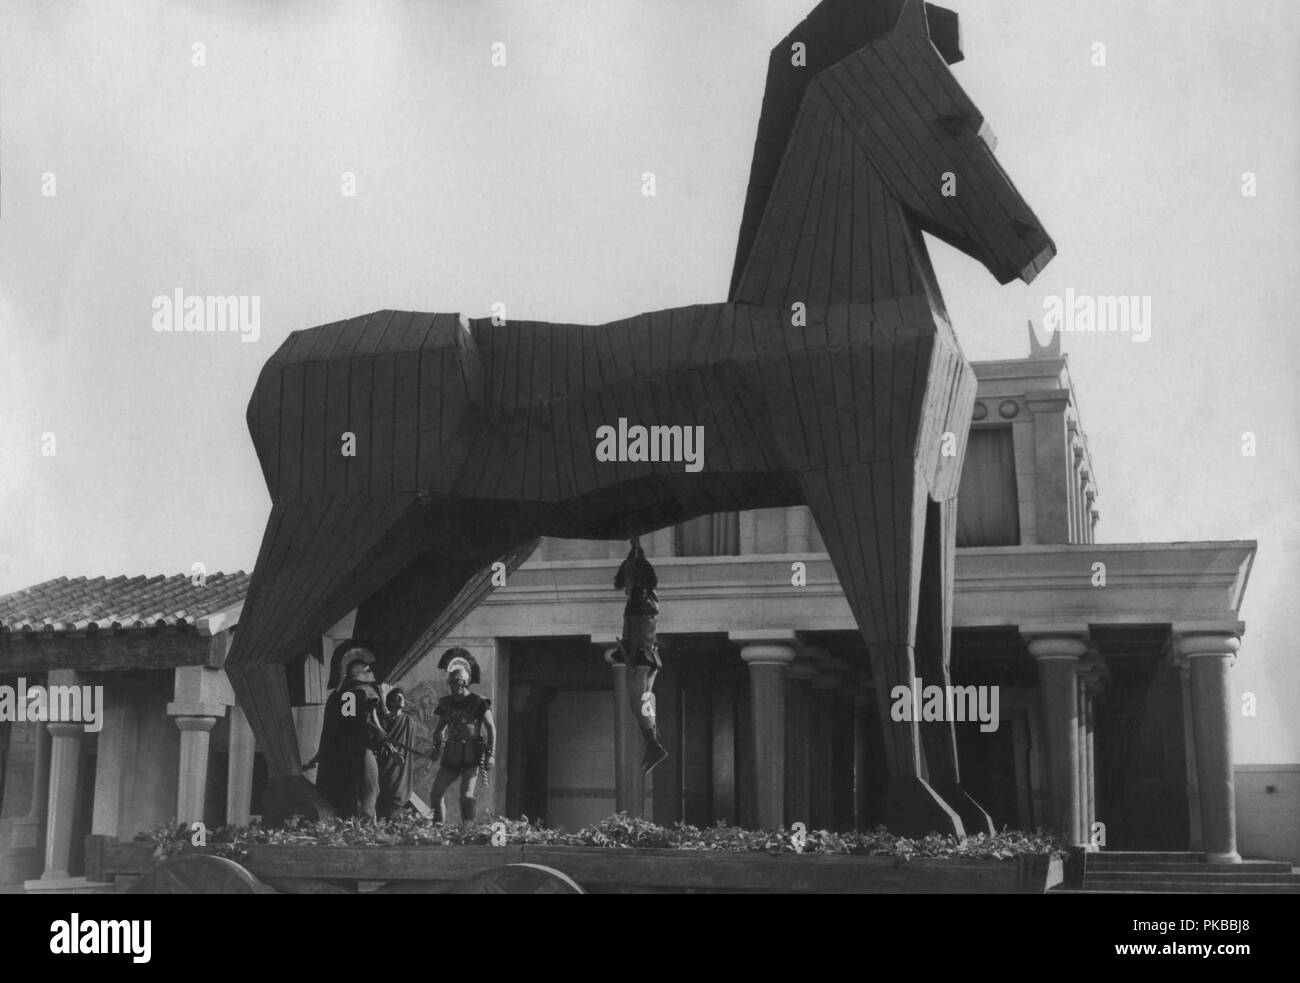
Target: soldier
(465,735)
(351,737)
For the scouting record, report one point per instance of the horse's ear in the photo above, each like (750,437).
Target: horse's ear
(911,20)
(945,32)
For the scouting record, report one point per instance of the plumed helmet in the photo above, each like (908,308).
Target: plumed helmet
(353,650)
(459,660)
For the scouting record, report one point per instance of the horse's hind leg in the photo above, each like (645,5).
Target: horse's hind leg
(933,658)
(872,518)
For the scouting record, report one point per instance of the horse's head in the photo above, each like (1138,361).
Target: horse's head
(934,149)
(883,65)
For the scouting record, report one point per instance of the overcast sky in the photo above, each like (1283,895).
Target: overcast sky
(522,185)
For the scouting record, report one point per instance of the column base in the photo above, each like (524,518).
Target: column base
(292,795)
(913,808)
(1223,858)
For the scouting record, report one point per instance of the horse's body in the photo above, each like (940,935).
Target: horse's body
(832,378)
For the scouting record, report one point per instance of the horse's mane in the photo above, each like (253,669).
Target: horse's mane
(831,32)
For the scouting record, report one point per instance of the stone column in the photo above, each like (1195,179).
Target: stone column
(191,793)
(1057,653)
(798,748)
(1210,656)
(825,684)
(239,769)
(629,777)
(1081,727)
(861,749)
(1054,471)
(61,811)
(1195,841)
(767,654)
(201,696)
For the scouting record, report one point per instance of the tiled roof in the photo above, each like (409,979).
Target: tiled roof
(81,603)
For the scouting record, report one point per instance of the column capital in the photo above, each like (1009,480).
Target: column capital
(779,636)
(767,653)
(66,729)
(1206,643)
(1219,626)
(1062,640)
(1056,647)
(194,708)
(195,723)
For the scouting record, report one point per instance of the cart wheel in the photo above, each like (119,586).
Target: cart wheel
(518,879)
(198,873)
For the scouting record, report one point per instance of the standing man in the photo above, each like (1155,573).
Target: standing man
(465,734)
(351,737)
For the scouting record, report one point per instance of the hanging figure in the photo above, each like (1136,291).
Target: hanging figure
(638,650)
(464,734)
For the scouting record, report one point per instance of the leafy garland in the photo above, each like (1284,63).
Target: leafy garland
(617,832)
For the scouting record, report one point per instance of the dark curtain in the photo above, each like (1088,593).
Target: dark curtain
(710,535)
(988,507)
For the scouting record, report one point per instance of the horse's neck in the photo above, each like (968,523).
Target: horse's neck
(833,232)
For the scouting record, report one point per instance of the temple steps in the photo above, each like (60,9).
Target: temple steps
(1148,872)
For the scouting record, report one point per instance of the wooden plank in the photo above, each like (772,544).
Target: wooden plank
(387,863)
(361,385)
(406,404)
(333,347)
(768,280)
(140,648)
(840,381)
(292,399)
(582,441)
(288,573)
(383,383)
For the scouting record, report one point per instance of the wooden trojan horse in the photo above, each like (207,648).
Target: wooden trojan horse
(831,378)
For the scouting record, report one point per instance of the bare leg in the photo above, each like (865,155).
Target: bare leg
(369,791)
(441,782)
(468,788)
(641,694)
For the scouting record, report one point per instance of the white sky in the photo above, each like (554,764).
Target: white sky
(522,185)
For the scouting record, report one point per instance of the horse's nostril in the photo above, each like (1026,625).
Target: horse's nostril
(954,124)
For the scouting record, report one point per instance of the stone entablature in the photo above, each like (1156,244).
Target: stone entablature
(1145,583)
